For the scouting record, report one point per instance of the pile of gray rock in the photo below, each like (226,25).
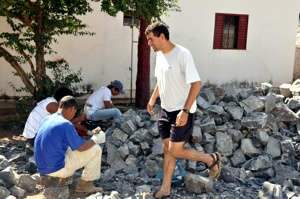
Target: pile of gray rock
(255,127)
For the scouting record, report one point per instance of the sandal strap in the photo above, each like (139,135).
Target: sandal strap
(216,158)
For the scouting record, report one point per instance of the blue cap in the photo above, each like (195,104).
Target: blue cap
(118,85)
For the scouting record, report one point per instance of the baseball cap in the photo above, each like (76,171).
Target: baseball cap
(118,85)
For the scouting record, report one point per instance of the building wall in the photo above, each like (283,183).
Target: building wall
(106,56)
(270,46)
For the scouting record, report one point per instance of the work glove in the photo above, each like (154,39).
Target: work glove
(98,136)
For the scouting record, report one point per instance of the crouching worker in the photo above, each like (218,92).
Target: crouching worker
(59,151)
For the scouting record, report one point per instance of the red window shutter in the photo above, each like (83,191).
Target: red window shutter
(219,28)
(242,32)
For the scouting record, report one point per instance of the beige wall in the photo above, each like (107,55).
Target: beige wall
(269,55)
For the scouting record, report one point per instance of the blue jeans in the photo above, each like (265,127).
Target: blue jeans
(104,114)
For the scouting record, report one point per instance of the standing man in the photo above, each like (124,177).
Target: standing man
(178,84)
(59,151)
(99,105)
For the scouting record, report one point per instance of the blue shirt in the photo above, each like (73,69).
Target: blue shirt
(54,137)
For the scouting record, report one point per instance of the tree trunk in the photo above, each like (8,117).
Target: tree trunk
(143,69)
(11,60)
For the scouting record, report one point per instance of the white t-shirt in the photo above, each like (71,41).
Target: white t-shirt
(36,117)
(175,71)
(96,100)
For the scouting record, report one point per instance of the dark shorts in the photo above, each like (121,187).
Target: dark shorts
(168,129)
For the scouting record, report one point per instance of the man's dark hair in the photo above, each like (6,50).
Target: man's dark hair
(61,92)
(68,102)
(158,28)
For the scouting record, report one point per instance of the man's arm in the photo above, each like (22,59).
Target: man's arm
(86,145)
(108,104)
(153,99)
(193,93)
(182,116)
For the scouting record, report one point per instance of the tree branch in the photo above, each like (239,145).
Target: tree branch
(11,60)
(29,61)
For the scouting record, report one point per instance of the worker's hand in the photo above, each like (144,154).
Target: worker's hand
(94,131)
(99,138)
(181,118)
(150,106)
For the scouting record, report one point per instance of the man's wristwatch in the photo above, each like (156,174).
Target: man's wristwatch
(186,110)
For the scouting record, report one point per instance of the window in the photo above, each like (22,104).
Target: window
(230,31)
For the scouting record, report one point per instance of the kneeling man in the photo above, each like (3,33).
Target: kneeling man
(59,151)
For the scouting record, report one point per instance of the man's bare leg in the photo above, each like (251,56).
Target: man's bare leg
(168,168)
(177,150)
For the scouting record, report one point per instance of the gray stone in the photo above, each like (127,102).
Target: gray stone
(238,158)
(3,163)
(235,112)
(266,87)
(134,149)
(216,109)
(245,93)
(140,136)
(119,135)
(157,147)
(285,89)
(283,113)
(128,127)
(259,163)
(209,95)
(208,126)
(108,174)
(202,103)
(197,134)
(270,103)
(9,176)
(114,158)
(209,143)
(18,157)
(231,92)
(224,143)
(143,189)
(264,173)
(229,174)
(56,192)
(248,148)
(236,135)
(124,151)
(270,190)
(154,130)
(287,146)
(145,147)
(295,88)
(252,104)
(151,167)
(273,147)
(262,136)
(192,165)
(284,172)
(27,183)
(131,163)
(17,191)
(255,120)
(294,103)
(156,113)
(4,192)
(198,184)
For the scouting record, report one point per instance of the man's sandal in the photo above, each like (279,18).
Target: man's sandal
(217,160)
